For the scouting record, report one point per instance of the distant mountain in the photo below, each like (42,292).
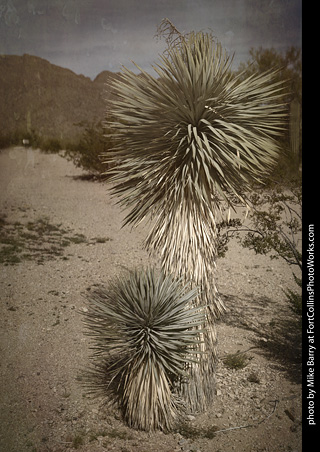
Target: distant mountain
(37,95)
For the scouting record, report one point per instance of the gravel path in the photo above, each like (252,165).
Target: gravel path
(64,235)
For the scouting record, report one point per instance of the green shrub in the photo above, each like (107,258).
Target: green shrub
(273,228)
(236,360)
(5,141)
(50,145)
(13,138)
(88,152)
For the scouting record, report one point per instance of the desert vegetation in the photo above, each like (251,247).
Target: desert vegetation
(181,150)
(186,146)
(38,241)
(145,335)
(87,148)
(273,227)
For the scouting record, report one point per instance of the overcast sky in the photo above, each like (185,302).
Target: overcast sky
(89,36)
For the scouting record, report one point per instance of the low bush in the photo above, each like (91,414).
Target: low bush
(273,228)
(88,152)
(33,139)
(50,145)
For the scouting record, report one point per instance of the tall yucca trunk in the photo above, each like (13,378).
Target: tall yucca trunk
(186,140)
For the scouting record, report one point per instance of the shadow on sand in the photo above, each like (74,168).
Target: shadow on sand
(278,331)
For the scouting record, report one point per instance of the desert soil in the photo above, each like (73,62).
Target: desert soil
(43,346)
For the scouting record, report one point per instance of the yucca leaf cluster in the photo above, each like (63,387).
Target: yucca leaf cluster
(185,140)
(145,333)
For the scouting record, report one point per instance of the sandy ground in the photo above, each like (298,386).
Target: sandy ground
(43,345)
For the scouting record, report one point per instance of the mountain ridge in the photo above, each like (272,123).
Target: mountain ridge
(39,96)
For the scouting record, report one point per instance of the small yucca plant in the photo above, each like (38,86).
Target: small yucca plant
(144,337)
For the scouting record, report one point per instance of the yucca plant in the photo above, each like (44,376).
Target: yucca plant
(145,334)
(185,141)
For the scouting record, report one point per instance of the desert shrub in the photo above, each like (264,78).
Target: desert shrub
(50,145)
(5,141)
(236,360)
(13,138)
(276,224)
(88,152)
(273,228)
(144,335)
